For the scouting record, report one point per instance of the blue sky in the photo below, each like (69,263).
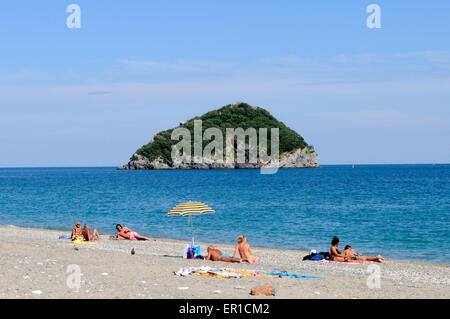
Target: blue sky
(92,96)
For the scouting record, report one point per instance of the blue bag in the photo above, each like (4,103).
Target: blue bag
(317,257)
(191,251)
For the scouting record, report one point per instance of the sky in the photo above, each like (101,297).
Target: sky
(92,96)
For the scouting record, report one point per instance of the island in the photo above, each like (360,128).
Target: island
(292,151)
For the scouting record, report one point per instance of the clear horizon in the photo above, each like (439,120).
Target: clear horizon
(328,164)
(90,97)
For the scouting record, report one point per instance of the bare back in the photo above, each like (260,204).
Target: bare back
(214,254)
(244,250)
(246,253)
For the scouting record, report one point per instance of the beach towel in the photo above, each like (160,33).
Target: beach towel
(79,240)
(64,237)
(253,273)
(236,273)
(285,274)
(83,243)
(207,271)
(337,262)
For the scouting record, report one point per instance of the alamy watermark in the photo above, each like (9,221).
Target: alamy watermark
(374,279)
(237,151)
(74,19)
(373,21)
(73,280)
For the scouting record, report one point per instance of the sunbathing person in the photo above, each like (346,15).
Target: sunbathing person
(77,231)
(217,255)
(352,254)
(129,234)
(244,251)
(336,255)
(87,235)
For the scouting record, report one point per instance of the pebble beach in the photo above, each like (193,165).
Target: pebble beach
(36,264)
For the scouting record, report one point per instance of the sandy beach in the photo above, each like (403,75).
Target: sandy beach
(34,264)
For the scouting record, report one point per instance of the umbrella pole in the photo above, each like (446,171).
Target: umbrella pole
(192,227)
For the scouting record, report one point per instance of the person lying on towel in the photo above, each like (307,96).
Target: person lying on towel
(352,254)
(217,255)
(129,234)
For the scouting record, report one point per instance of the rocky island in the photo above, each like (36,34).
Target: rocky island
(293,151)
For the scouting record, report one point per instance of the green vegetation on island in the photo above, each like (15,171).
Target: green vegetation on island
(239,115)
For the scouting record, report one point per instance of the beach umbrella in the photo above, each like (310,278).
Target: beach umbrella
(190,209)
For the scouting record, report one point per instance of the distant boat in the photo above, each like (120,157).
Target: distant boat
(353,166)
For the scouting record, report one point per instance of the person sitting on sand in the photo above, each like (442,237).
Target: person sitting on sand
(217,255)
(244,251)
(88,236)
(336,255)
(77,231)
(352,254)
(129,234)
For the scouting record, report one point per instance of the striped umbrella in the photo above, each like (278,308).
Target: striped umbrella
(190,209)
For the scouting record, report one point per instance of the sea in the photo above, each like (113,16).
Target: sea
(398,211)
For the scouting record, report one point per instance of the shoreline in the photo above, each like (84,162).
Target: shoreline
(303,251)
(34,265)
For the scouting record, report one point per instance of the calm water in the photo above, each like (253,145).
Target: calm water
(400,211)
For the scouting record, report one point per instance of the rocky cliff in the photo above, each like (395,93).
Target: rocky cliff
(298,159)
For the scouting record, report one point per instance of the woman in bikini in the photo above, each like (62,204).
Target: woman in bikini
(244,251)
(336,255)
(88,236)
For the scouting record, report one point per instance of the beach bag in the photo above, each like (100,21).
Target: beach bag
(317,257)
(191,251)
(326,255)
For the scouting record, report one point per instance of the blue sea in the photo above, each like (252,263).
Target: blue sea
(399,211)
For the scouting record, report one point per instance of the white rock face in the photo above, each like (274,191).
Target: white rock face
(301,158)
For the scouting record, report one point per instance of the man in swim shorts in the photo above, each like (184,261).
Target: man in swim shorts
(217,255)
(129,234)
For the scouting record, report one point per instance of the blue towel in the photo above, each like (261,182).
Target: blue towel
(285,274)
(64,237)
